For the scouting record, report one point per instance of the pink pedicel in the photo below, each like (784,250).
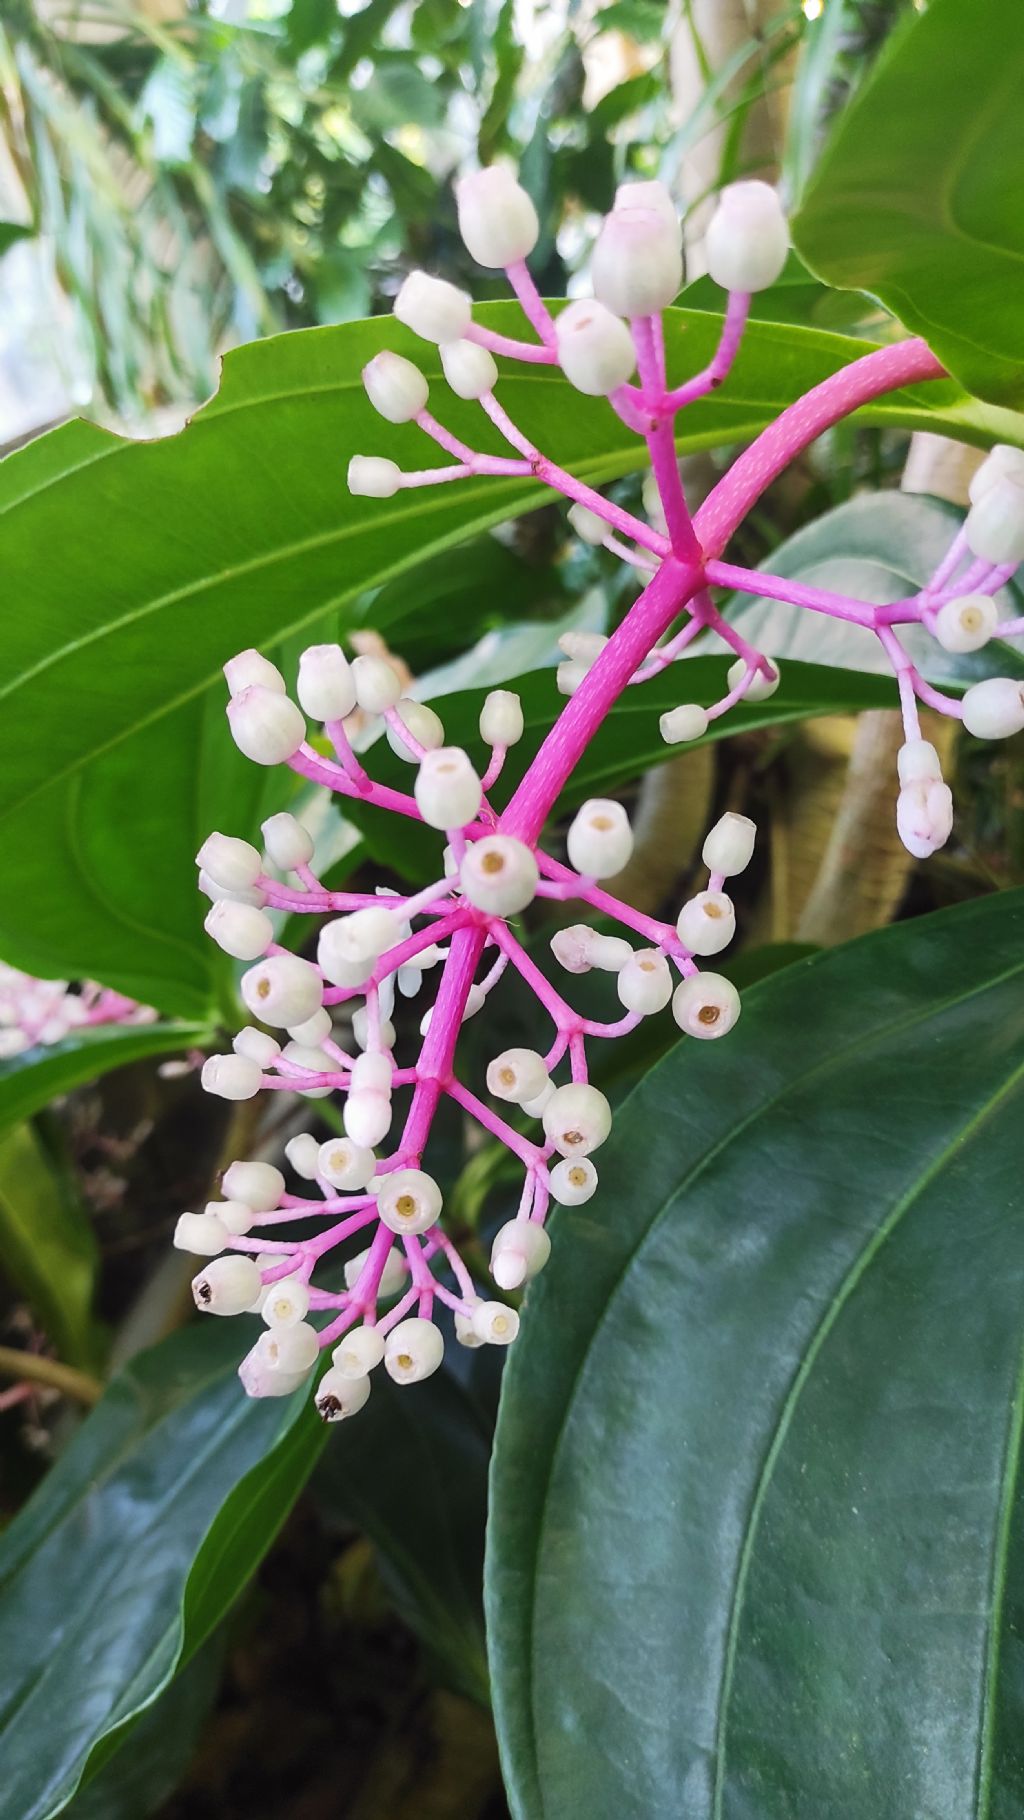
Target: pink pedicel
(370,1185)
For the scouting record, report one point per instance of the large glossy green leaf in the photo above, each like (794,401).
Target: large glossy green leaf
(47,1246)
(132,1549)
(757,1530)
(915,198)
(32,1079)
(141,566)
(156,1754)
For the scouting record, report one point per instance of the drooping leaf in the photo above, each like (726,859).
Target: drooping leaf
(148,1766)
(31,1080)
(47,1246)
(756,1541)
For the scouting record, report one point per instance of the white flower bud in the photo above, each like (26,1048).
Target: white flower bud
(589,526)
(409,1201)
(231,863)
(313,1031)
(288,843)
(747,238)
(262,1377)
(239,929)
(260,1185)
(432,308)
(600,839)
(517,1075)
(466,1333)
(994,709)
(730,844)
(497,219)
(265,726)
(361,1029)
(203,1234)
(226,1286)
(924,816)
(609,953)
(918,759)
(572,1181)
(649,194)
(471,371)
(358,1352)
(303,1153)
(371,1073)
(251,669)
(373,477)
(378,684)
(495,1324)
(637,265)
(395,387)
(237,1217)
(595,349)
(231,1077)
(760,687)
(290,1348)
(568,677)
(706,1005)
(314,1061)
(572,946)
(501,718)
(267,1260)
(583,647)
(476,999)
(325,687)
(447,789)
(645,983)
(392,1277)
(521,1248)
(577,1119)
(689,721)
(424,725)
(534,1109)
(1000,463)
(215,892)
(286,1302)
(499,875)
(413,1350)
(707,922)
(995,523)
(350,946)
(967,623)
(346,1165)
(282,990)
(367,1118)
(339,1395)
(257,1045)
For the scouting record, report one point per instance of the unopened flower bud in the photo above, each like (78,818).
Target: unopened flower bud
(595,349)
(689,721)
(501,718)
(325,687)
(637,265)
(424,725)
(517,1075)
(373,477)
(730,844)
(644,984)
(292,1347)
(395,387)
(289,845)
(203,1234)
(521,1248)
(609,953)
(258,1184)
(747,238)
(432,308)
(571,948)
(967,623)
(497,219)
(495,1324)
(470,370)
(210,888)
(392,1276)
(568,677)
(239,929)
(995,523)
(583,647)
(918,759)
(232,864)
(409,1201)
(476,999)
(447,789)
(572,1181)
(361,1029)
(707,922)
(577,1119)
(377,683)
(265,726)
(313,1031)
(346,1165)
(303,1153)
(588,525)
(237,1217)
(705,1005)
(262,1376)
(650,194)
(312,1061)
(466,1333)
(499,875)
(760,686)
(371,1073)
(367,1118)
(924,816)
(226,1286)
(413,1350)
(282,990)
(231,1077)
(258,1045)
(994,709)
(251,669)
(339,1395)
(360,1351)
(1001,462)
(286,1302)
(362,935)
(534,1109)
(600,839)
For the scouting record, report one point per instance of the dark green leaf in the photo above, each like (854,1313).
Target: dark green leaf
(154,1756)
(13,231)
(31,1080)
(47,1245)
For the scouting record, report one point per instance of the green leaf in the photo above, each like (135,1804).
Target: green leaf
(156,1753)
(756,1541)
(13,231)
(31,1080)
(915,196)
(133,1548)
(47,1244)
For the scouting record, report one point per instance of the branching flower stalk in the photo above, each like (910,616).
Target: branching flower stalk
(370,1187)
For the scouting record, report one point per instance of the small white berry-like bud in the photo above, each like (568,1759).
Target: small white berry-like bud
(409,1201)
(572,1181)
(287,842)
(517,1075)
(251,669)
(730,844)
(447,789)
(237,1217)
(917,759)
(392,1277)
(520,1249)
(346,1165)
(258,1184)
(499,875)
(361,1029)
(705,1005)
(424,725)
(373,477)
(282,990)
(303,1153)
(339,1395)
(995,523)
(471,371)
(231,1077)
(1001,462)
(648,193)
(292,1347)
(497,219)
(595,349)
(432,308)
(644,984)
(609,953)
(466,1333)
(577,1119)
(350,946)
(313,1030)
(413,1350)
(496,1324)
(707,922)
(265,726)
(501,718)
(568,677)
(689,721)
(924,816)
(534,1109)
(226,1286)
(367,1118)
(314,1061)
(572,947)
(371,1073)
(325,687)
(267,1260)
(476,999)
(395,387)
(637,265)
(215,892)
(231,863)
(747,238)
(760,687)
(600,839)
(967,623)
(239,929)
(583,647)
(286,1302)
(994,709)
(589,526)
(257,1045)
(203,1234)
(261,1375)
(378,684)
(358,1352)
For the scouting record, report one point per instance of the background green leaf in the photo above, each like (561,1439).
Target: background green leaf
(50,1255)
(32,1079)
